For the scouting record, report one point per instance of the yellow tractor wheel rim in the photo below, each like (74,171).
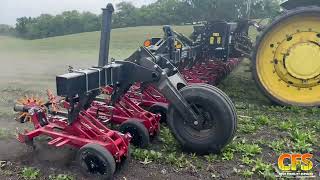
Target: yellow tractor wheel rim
(288,60)
(310,67)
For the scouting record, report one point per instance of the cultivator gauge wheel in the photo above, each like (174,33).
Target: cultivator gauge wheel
(287,58)
(28,101)
(139,133)
(96,162)
(216,124)
(160,108)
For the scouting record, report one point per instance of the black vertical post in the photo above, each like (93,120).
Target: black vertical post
(169,34)
(105,34)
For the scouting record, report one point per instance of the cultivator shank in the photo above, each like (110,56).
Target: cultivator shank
(122,111)
(209,72)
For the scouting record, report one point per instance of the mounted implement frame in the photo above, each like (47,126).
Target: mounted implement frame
(201,117)
(100,149)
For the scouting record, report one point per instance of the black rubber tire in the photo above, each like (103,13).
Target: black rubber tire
(221,112)
(101,154)
(230,103)
(280,19)
(160,108)
(139,133)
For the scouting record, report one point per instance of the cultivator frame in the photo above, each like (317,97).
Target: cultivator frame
(169,77)
(190,109)
(124,111)
(216,49)
(87,133)
(84,130)
(157,72)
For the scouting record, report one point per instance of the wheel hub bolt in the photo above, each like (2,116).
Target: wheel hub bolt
(196,123)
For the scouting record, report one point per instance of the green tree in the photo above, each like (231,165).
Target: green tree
(6,30)
(158,13)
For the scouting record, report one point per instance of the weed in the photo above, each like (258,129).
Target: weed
(211,158)
(263,120)
(263,169)
(314,111)
(262,141)
(169,142)
(182,161)
(295,109)
(303,140)
(246,160)
(249,149)
(302,146)
(247,173)
(285,125)
(146,155)
(61,177)
(227,155)
(248,128)
(171,158)
(306,136)
(195,160)
(30,173)
(277,146)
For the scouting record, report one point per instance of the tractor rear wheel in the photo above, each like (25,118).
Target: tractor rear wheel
(218,120)
(286,59)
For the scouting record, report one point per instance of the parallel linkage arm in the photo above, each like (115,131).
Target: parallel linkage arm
(121,75)
(81,87)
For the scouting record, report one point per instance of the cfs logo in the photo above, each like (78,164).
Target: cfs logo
(291,162)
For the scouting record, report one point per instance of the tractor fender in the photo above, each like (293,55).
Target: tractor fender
(293,4)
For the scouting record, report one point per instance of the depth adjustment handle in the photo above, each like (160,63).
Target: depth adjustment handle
(169,35)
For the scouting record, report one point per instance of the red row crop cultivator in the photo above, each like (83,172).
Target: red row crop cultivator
(210,72)
(166,80)
(132,119)
(100,149)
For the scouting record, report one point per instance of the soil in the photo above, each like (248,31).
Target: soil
(50,161)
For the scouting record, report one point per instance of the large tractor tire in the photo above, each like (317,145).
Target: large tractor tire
(219,120)
(286,59)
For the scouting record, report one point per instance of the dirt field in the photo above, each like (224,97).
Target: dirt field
(264,132)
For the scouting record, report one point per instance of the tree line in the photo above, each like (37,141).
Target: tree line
(6,30)
(158,13)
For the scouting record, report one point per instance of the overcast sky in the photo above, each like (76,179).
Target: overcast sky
(12,9)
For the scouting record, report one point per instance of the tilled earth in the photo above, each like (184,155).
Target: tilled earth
(52,161)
